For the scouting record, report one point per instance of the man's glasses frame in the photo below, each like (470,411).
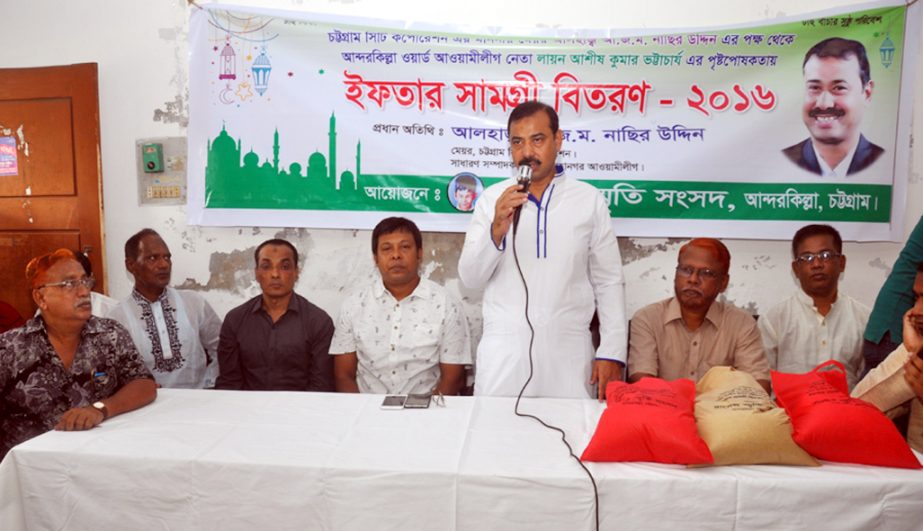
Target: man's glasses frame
(823,256)
(706,273)
(71,284)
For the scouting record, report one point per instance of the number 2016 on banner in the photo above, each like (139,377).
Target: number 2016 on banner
(738,99)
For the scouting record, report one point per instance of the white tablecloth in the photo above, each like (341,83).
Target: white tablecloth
(262,460)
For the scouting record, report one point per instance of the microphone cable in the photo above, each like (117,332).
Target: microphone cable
(518,413)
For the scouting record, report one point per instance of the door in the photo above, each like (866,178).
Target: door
(50,175)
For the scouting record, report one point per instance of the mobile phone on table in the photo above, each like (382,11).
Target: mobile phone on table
(393,402)
(418,401)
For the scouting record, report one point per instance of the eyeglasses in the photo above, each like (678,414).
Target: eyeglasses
(71,284)
(823,256)
(707,274)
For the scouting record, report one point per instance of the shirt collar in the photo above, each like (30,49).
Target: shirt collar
(37,325)
(423,290)
(806,299)
(141,299)
(842,168)
(256,304)
(673,313)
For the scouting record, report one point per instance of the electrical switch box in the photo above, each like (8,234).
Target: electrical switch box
(152,157)
(161,169)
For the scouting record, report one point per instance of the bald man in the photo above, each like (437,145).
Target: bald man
(691,332)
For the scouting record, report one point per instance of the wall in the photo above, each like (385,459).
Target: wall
(141,50)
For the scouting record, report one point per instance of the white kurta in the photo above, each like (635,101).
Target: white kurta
(798,338)
(570,259)
(179,345)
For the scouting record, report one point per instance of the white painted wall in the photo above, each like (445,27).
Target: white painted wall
(141,50)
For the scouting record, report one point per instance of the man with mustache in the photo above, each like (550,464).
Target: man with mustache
(691,332)
(276,341)
(66,369)
(838,89)
(176,331)
(401,334)
(817,323)
(569,257)
(897,383)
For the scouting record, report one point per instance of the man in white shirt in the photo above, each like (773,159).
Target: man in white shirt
(817,323)
(176,331)
(896,384)
(570,260)
(403,334)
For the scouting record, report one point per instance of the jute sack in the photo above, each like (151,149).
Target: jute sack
(741,425)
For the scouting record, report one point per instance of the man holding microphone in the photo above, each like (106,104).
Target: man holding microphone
(569,258)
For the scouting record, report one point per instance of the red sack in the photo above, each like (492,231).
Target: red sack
(650,420)
(831,425)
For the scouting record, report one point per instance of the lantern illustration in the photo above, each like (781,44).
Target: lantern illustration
(887,52)
(228,65)
(261,69)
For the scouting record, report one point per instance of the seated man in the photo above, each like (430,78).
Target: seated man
(66,369)
(102,304)
(403,334)
(897,383)
(817,323)
(883,332)
(176,331)
(276,341)
(685,335)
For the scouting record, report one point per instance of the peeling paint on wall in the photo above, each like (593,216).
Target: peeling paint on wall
(633,251)
(443,251)
(878,263)
(176,111)
(759,262)
(750,307)
(232,272)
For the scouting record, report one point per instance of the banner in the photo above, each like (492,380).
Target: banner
(316,121)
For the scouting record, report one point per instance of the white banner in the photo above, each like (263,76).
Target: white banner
(316,121)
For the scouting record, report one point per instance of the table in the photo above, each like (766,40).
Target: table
(279,460)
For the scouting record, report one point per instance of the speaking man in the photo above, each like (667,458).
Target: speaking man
(566,252)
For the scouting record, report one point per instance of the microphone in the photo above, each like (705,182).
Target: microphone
(523,179)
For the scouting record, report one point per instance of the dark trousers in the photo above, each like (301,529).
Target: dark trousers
(874,353)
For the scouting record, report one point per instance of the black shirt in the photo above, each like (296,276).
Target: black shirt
(289,355)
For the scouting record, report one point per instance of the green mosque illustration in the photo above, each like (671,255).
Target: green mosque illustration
(235,181)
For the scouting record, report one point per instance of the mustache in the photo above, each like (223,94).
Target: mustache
(528,161)
(81,301)
(829,111)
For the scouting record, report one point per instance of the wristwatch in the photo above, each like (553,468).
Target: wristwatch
(102,409)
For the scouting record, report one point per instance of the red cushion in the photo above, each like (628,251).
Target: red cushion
(830,425)
(650,420)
